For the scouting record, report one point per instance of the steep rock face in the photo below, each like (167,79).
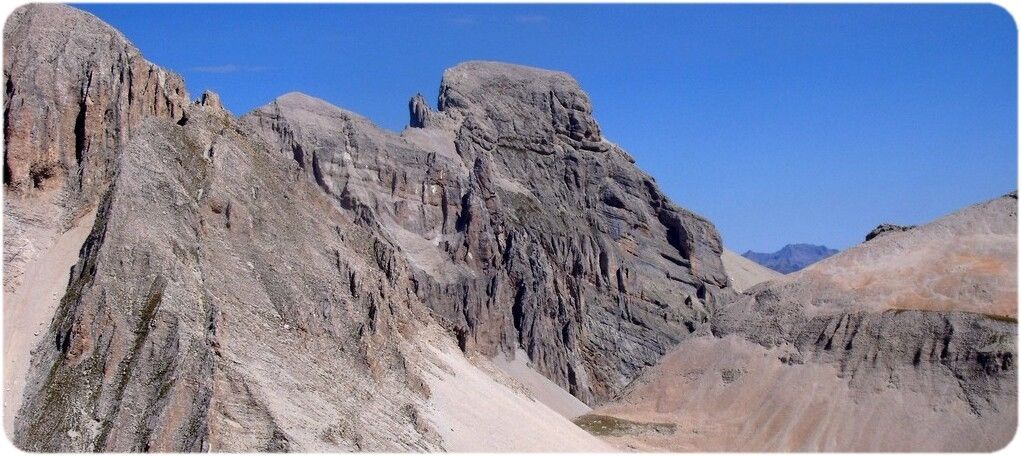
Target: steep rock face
(304,250)
(215,278)
(917,330)
(216,275)
(74,88)
(525,227)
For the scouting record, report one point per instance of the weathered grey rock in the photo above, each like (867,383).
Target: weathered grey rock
(64,121)
(214,279)
(528,106)
(75,88)
(886,228)
(211,99)
(524,226)
(303,249)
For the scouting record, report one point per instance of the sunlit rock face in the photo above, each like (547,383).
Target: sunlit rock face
(526,228)
(228,255)
(74,89)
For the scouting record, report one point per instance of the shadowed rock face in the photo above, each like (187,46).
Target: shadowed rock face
(524,226)
(419,111)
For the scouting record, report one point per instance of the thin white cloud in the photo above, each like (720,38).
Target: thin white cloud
(463,20)
(530,19)
(229,68)
(216,69)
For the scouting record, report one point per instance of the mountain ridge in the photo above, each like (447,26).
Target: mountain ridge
(791,257)
(394,284)
(312,227)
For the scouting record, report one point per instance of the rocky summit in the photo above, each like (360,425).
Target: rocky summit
(536,233)
(178,278)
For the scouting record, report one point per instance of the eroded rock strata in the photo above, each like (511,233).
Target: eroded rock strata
(303,248)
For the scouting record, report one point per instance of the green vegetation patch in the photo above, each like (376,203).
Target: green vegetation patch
(612,426)
(1004,318)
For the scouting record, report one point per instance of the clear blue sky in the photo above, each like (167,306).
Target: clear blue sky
(781,124)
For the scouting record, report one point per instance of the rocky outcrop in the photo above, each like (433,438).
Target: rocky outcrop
(886,228)
(525,227)
(321,233)
(211,99)
(838,309)
(419,111)
(74,90)
(63,122)
(152,347)
(303,249)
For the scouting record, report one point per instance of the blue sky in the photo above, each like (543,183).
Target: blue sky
(780,123)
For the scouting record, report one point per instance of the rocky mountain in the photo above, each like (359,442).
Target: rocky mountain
(178,278)
(524,227)
(791,258)
(227,256)
(797,362)
(75,89)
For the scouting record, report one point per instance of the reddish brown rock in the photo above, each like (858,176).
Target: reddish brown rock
(74,88)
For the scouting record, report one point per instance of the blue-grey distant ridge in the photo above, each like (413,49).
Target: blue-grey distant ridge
(792,257)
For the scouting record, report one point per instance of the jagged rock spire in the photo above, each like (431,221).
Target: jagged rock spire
(419,111)
(210,99)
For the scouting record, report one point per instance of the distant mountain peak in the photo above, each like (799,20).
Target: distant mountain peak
(792,257)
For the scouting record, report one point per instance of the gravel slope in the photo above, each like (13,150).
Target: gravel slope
(745,273)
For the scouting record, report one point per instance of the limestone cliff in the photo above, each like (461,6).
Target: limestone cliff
(74,90)
(526,228)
